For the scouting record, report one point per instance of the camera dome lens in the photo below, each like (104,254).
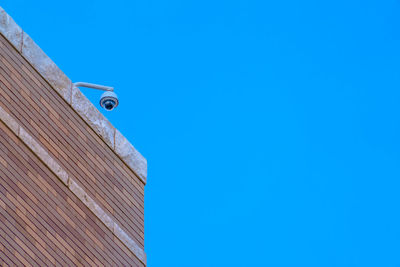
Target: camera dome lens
(109,104)
(109,100)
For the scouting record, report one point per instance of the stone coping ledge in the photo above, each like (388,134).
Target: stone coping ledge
(72,95)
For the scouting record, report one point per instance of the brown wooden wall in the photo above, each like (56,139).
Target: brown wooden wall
(42,221)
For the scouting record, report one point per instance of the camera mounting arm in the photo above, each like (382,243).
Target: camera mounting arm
(94,86)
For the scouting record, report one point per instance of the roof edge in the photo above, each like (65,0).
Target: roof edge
(72,95)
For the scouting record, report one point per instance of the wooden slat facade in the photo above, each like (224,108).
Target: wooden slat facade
(42,222)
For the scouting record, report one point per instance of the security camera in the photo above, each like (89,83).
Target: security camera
(109,100)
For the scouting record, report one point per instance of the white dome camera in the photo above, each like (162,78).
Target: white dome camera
(109,100)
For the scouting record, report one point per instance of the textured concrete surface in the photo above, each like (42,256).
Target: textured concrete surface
(9,121)
(46,67)
(102,215)
(131,156)
(10,30)
(76,189)
(43,155)
(118,232)
(92,116)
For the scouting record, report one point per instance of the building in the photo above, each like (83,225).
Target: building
(71,185)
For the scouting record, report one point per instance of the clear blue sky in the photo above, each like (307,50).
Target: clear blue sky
(271,128)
